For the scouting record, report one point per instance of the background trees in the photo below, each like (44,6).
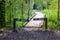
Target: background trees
(50,8)
(14,9)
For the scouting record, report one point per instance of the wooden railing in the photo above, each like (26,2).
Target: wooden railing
(14,23)
(24,20)
(45,20)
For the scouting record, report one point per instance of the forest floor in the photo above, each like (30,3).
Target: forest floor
(29,35)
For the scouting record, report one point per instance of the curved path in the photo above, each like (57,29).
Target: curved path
(33,23)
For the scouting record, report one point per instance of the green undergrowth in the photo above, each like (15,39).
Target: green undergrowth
(52,16)
(18,15)
(20,24)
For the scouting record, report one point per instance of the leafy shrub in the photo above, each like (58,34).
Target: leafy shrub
(52,17)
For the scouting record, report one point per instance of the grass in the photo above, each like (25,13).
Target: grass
(52,17)
(25,16)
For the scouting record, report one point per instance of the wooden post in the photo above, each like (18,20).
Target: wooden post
(45,20)
(14,25)
(45,23)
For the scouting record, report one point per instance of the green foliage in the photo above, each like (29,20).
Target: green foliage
(54,4)
(51,13)
(52,18)
(14,8)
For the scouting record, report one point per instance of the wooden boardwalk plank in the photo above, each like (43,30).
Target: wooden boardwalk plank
(37,23)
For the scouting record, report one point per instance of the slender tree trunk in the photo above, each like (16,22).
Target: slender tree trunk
(28,10)
(58,9)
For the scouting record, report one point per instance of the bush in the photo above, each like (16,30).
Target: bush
(52,17)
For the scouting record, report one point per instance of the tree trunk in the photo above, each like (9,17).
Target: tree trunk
(2,13)
(28,9)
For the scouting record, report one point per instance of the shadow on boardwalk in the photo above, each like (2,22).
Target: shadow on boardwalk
(29,35)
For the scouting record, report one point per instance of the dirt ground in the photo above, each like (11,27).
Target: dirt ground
(29,35)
